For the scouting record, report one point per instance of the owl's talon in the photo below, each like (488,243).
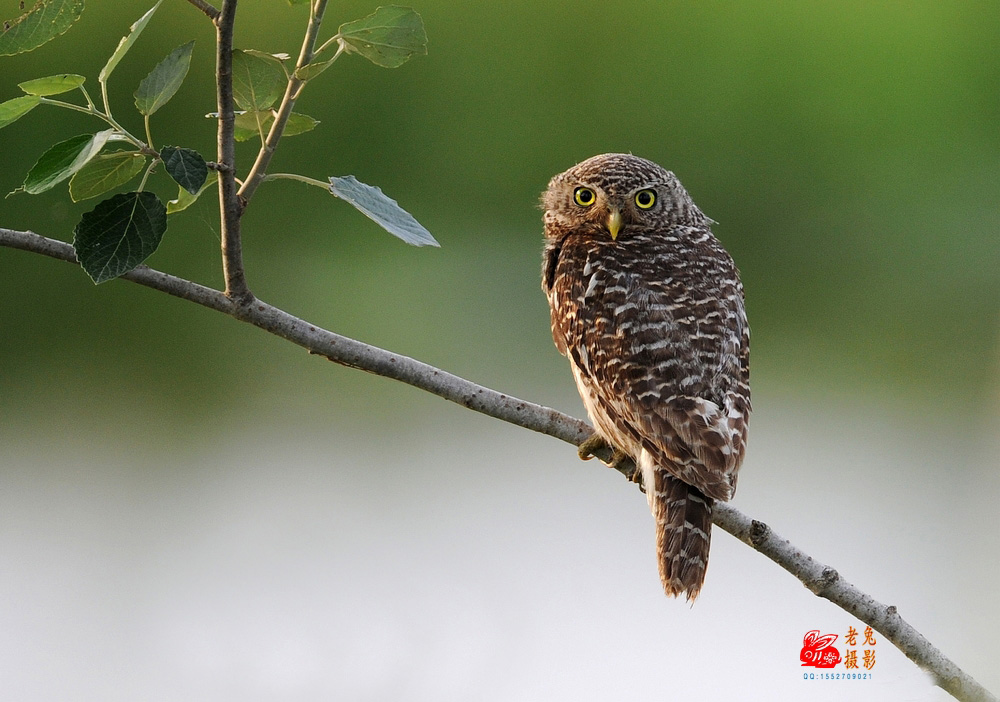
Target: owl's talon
(635,476)
(591,446)
(598,444)
(617,459)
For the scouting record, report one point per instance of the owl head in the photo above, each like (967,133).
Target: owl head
(612,195)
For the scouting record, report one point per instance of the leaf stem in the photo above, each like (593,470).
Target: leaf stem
(104,97)
(300,178)
(322,47)
(149,136)
(335,37)
(89,101)
(145,176)
(93,111)
(336,55)
(70,106)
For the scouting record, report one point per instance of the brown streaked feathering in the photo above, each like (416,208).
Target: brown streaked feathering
(648,307)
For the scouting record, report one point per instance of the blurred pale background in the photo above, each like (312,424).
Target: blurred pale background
(194,510)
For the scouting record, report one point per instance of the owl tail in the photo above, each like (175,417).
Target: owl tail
(683,517)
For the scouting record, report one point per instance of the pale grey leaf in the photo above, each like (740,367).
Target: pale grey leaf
(382,210)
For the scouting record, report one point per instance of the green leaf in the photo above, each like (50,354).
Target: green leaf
(185,166)
(52,85)
(185,199)
(126,43)
(252,123)
(257,82)
(311,70)
(299,124)
(63,160)
(18,107)
(258,122)
(119,234)
(387,37)
(162,83)
(105,172)
(381,209)
(46,20)
(282,56)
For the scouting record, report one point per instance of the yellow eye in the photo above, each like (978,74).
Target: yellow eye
(584,197)
(645,199)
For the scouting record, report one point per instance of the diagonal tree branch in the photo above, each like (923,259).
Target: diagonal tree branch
(821,579)
(826,582)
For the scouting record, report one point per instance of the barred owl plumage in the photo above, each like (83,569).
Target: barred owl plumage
(648,307)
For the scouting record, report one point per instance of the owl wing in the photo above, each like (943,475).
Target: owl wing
(668,368)
(550,261)
(691,400)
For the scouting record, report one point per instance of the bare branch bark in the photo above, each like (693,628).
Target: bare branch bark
(230,204)
(821,579)
(208,9)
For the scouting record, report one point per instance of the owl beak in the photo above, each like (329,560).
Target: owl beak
(614,222)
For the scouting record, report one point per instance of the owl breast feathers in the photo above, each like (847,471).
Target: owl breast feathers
(648,307)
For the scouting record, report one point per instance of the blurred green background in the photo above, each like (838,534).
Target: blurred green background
(849,151)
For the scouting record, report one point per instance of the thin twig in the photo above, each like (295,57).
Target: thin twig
(259,169)
(819,578)
(91,110)
(229,201)
(213,14)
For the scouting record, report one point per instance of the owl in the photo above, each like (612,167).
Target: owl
(648,307)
